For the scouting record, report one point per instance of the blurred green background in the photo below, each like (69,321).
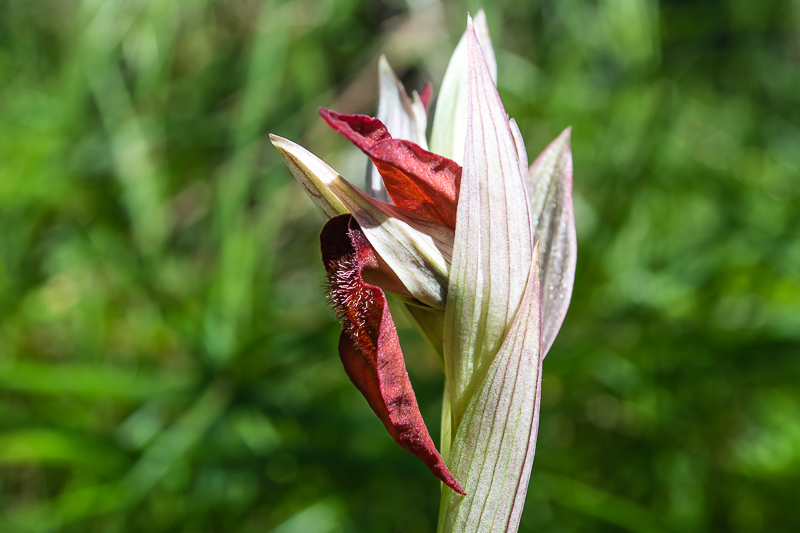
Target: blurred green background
(167,359)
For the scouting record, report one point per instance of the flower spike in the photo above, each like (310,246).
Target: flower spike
(482,258)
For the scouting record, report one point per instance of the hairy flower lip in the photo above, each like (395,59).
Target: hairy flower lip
(369,347)
(381,275)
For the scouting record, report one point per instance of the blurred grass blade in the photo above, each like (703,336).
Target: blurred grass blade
(45,446)
(132,141)
(321,517)
(165,450)
(91,382)
(179,439)
(493,450)
(608,507)
(231,301)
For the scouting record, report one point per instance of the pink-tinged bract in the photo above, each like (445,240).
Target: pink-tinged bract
(550,189)
(493,238)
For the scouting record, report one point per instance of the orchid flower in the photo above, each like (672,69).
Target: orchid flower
(479,247)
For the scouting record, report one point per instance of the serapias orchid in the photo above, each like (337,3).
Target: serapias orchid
(481,250)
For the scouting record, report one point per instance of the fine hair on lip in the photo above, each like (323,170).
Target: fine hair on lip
(349,295)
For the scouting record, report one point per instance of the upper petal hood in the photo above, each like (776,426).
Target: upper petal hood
(417,180)
(417,249)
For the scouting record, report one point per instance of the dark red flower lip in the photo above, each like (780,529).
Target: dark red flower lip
(369,347)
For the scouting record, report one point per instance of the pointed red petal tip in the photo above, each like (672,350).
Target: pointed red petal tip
(361,130)
(419,181)
(425,96)
(369,347)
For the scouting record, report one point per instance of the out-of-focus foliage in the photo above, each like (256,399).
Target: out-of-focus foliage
(167,360)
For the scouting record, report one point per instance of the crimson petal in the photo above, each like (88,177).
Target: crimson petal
(417,180)
(369,347)
(425,96)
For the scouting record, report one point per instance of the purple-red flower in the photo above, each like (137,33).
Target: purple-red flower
(479,248)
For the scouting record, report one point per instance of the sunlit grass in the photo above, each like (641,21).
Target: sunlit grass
(167,362)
